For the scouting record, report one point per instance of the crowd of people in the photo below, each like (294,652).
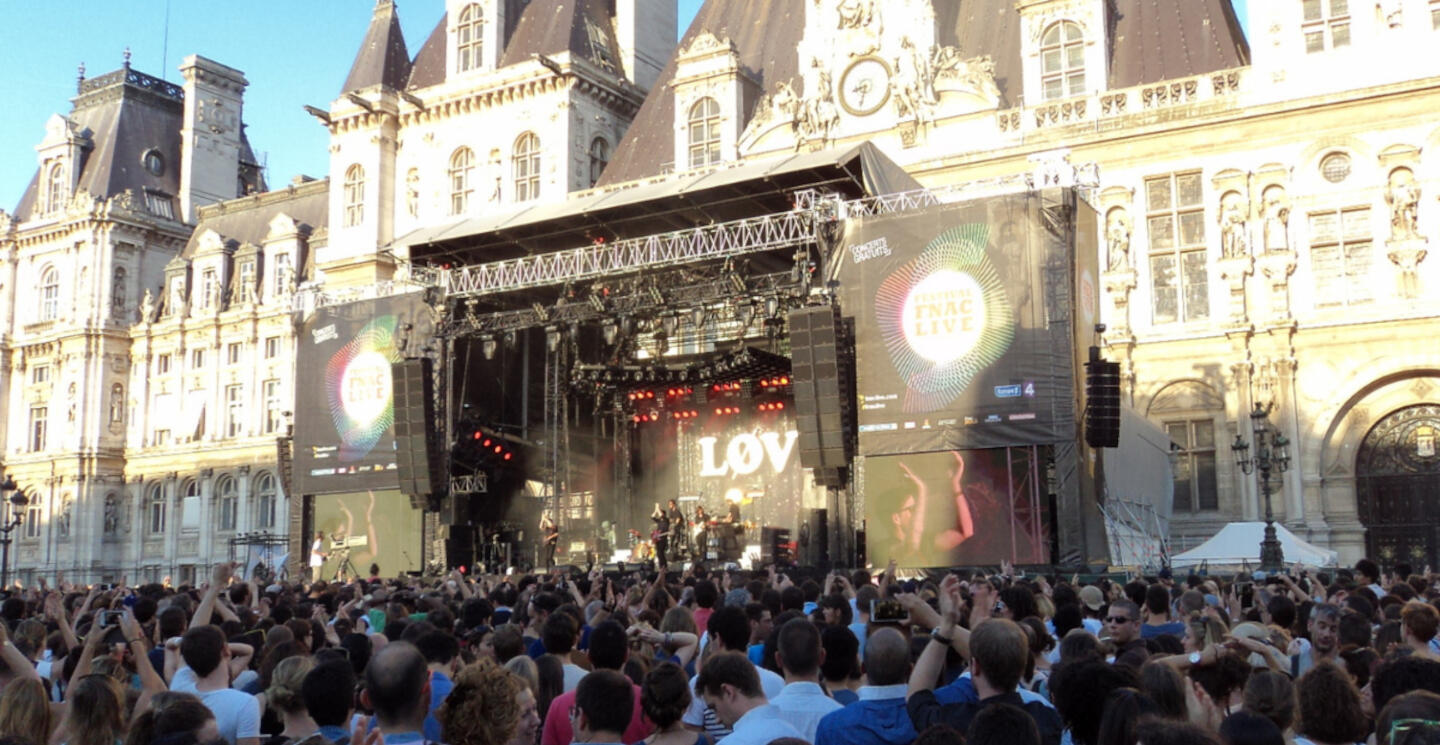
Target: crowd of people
(1303,657)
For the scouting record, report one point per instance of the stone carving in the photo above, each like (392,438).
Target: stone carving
(1276,215)
(817,115)
(1403,196)
(112,515)
(860,24)
(1117,239)
(856,13)
(1393,12)
(147,307)
(62,522)
(1233,237)
(976,74)
(913,87)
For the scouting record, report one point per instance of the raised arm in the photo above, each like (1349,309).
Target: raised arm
(218,579)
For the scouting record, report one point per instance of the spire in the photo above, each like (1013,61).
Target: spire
(383,59)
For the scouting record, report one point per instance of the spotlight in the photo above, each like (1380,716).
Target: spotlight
(610,331)
(772,306)
(552,338)
(697,316)
(510,339)
(745,313)
(669,323)
(488,345)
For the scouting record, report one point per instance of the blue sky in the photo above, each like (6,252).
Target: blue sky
(294,52)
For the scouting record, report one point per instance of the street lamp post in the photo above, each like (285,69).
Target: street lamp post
(1272,453)
(18,502)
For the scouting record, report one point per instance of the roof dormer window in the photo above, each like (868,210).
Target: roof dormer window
(1062,61)
(154,162)
(1326,24)
(469,41)
(55,191)
(703,126)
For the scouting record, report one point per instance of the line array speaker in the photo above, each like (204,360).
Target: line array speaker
(1102,401)
(822,383)
(416,452)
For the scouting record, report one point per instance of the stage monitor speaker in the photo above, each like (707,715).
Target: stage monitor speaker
(775,546)
(1102,402)
(822,382)
(416,456)
(814,540)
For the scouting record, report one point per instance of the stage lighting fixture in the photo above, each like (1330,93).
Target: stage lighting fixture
(488,345)
(772,306)
(610,331)
(744,314)
(656,295)
(541,311)
(697,316)
(510,339)
(669,323)
(552,338)
(737,283)
(597,302)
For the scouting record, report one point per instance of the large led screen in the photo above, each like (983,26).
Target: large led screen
(956,508)
(963,334)
(344,402)
(364,528)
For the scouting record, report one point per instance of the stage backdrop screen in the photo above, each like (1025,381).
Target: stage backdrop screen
(963,332)
(379,526)
(956,508)
(344,403)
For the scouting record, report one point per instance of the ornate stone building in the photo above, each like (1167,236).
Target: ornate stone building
(1267,205)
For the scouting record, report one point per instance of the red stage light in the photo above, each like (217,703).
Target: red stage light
(477,435)
(498,448)
(486,443)
(508,455)
(779,405)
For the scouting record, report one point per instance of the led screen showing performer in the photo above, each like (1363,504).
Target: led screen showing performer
(955,508)
(344,436)
(962,336)
(369,527)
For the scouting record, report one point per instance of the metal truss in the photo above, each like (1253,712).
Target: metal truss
(476,484)
(705,243)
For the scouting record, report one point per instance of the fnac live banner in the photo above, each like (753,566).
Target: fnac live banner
(962,327)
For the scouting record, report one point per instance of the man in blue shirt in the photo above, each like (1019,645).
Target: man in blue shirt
(1157,615)
(440,651)
(397,689)
(879,717)
(325,700)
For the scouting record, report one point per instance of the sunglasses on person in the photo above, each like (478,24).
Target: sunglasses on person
(1118,619)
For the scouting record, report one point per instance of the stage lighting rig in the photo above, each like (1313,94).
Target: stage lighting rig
(488,345)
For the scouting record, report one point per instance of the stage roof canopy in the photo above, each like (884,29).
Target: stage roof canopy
(640,208)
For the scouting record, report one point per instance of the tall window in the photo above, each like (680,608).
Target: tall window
(462,180)
(527,167)
(1195,482)
(599,158)
(265,501)
(354,195)
(1326,24)
(272,406)
(197,359)
(228,502)
(703,124)
(49,294)
(40,374)
(1340,256)
(162,363)
(55,195)
(468,38)
(272,347)
(39,421)
(32,517)
(234,410)
(247,281)
(117,289)
(234,352)
(1435,14)
(1179,276)
(284,274)
(1062,61)
(155,509)
(209,289)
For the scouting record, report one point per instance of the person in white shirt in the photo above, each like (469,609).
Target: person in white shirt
(207,657)
(802,703)
(317,556)
(728,631)
(729,685)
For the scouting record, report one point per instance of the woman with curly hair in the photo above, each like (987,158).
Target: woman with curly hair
(1329,708)
(25,711)
(489,705)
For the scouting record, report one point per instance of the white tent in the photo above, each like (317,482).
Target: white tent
(1239,543)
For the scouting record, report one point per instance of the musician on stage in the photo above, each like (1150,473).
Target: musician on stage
(550,533)
(702,532)
(677,527)
(317,556)
(661,534)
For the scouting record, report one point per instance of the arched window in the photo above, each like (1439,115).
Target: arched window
(462,180)
(468,38)
(703,123)
(55,191)
(599,158)
(1062,61)
(527,167)
(155,509)
(117,289)
(228,501)
(266,500)
(49,294)
(1192,412)
(354,195)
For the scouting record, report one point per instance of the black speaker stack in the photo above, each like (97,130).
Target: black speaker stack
(1102,401)
(823,387)
(775,546)
(814,543)
(417,450)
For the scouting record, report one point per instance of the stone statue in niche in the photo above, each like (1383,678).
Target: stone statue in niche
(1117,239)
(1403,196)
(112,515)
(147,306)
(1233,241)
(1276,215)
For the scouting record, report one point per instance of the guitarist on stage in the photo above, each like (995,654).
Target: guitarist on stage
(550,533)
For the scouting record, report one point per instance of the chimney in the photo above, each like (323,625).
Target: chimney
(210,138)
(645,30)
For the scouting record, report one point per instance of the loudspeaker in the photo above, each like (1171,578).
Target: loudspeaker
(823,389)
(775,546)
(415,452)
(814,540)
(1102,401)
(455,509)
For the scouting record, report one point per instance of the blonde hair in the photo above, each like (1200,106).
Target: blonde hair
(96,715)
(285,682)
(525,669)
(25,711)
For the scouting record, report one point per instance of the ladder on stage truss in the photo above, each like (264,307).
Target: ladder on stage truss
(1137,534)
(800,226)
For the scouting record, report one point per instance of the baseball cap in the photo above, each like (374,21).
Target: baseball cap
(1091,596)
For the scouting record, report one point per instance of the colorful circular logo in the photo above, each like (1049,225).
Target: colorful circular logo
(359,390)
(944,315)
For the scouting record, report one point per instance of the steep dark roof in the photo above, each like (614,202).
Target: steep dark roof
(383,58)
(125,114)
(1149,41)
(247,219)
(584,28)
